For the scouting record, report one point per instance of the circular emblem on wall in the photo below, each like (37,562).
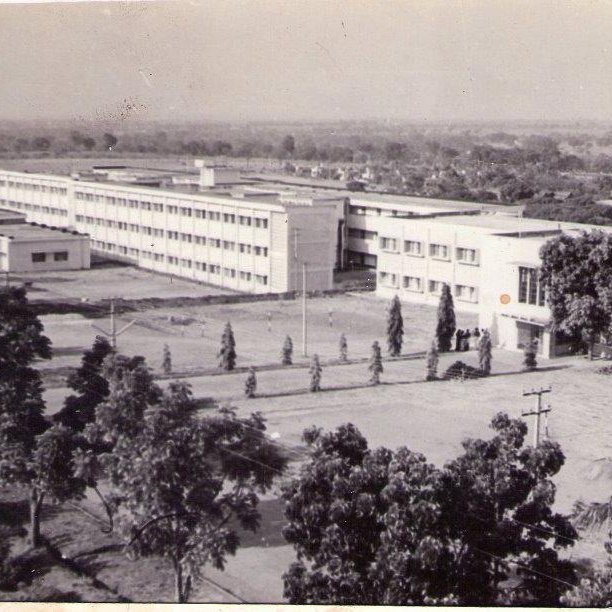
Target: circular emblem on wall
(504,298)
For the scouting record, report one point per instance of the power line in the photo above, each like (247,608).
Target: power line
(529,526)
(525,567)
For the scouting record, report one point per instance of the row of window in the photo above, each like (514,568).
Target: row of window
(228,245)
(202,266)
(464,293)
(438,251)
(49,210)
(185,211)
(41,257)
(34,187)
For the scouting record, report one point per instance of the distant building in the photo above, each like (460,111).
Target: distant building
(28,247)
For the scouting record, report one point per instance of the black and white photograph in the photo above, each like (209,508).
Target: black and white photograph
(306,302)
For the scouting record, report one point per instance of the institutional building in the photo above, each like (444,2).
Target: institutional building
(29,247)
(258,237)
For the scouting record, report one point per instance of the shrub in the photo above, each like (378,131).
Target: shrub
(462,371)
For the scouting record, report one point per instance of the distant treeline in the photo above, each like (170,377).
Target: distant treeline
(557,175)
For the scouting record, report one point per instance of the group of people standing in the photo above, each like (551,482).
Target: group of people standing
(466,339)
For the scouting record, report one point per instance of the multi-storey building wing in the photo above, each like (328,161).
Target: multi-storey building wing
(255,242)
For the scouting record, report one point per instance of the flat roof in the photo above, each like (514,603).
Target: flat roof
(29,232)
(517,227)
(10,214)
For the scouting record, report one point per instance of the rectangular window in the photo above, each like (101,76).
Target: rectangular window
(413,247)
(387,279)
(435,287)
(39,257)
(466,294)
(468,256)
(60,256)
(412,283)
(530,291)
(438,251)
(388,244)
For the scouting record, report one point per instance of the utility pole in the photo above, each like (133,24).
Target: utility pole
(304,326)
(113,334)
(538,412)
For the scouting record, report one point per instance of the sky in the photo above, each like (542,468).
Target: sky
(292,60)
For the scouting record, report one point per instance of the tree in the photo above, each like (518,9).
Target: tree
(110,140)
(287,352)
(503,491)
(485,352)
(447,324)
(79,410)
(88,142)
(395,327)
(166,360)
(376,367)
(288,145)
(53,474)
(131,392)
(343,346)
(593,591)
(530,352)
(315,373)
(250,385)
(432,360)
(187,481)
(21,403)
(384,527)
(227,354)
(576,272)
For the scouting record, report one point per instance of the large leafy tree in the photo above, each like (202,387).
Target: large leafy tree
(395,327)
(577,274)
(376,526)
(91,386)
(447,323)
(31,454)
(498,498)
(131,391)
(184,478)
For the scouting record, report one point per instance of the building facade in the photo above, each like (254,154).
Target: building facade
(253,243)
